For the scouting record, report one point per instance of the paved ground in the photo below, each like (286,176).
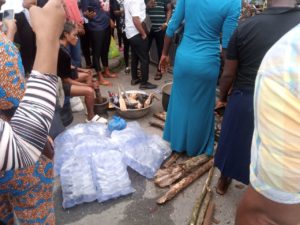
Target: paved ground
(140,207)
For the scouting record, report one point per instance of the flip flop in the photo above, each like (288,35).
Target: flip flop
(105,83)
(97,119)
(110,75)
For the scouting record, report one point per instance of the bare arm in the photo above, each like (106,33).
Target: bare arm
(227,78)
(138,24)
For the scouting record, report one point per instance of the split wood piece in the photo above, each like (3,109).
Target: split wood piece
(161,116)
(122,103)
(173,174)
(176,188)
(157,125)
(209,214)
(172,159)
(204,207)
(199,201)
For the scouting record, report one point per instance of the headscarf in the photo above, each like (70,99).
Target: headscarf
(12,82)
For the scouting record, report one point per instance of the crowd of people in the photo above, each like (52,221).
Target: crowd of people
(259,87)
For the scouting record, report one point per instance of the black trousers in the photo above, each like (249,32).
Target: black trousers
(126,49)
(100,41)
(85,42)
(159,39)
(139,52)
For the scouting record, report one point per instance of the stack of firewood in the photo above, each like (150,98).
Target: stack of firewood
(180,175)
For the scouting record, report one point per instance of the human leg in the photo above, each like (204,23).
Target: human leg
(126,51)
(140,47)
(89,98)
(104,54)
(159,39)
(85,77)
(85,48)
(96,39)
(76,54)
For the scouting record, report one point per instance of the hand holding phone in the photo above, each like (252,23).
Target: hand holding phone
(91,9)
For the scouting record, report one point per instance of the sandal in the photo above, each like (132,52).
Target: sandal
(158,76)
(110,75)
(97,119)
(223,184)
(105,83)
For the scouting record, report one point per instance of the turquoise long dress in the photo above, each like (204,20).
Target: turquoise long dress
(190,118)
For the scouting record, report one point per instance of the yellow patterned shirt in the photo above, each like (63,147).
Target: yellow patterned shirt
(275,156)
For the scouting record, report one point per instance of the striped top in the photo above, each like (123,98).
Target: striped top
(23,138)
(158,14)
(275,156)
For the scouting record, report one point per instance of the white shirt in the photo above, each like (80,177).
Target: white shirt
(133,8)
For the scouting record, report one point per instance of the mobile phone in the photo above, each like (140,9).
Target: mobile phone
(8,14)
(91,9)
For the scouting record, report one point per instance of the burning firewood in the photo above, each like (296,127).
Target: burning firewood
(176,188)
(172,174)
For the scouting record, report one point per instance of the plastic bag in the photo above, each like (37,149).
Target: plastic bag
(143,153)
(76,182)
(76,104)
(64,144)
(113,49)
(116,123)
(111,176)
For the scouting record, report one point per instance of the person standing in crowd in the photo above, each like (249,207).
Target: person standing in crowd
(136,32)
(273,196)
(74,16)
(100,33)
(75,83)
(159,12)
(190,117)
(26,168)
(118,10)
(26,36)
(247,47)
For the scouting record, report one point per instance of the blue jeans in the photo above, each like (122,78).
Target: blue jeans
(75,52)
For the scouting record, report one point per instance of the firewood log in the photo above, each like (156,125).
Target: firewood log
(157,125)
(204,207)
(161,116)
(209,214)
(199,201)
(180,170)
(176,188)
(172,159)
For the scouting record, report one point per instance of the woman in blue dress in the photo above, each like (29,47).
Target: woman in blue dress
(190,117)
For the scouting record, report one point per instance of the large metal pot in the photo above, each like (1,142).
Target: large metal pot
(166,92)
(134,113)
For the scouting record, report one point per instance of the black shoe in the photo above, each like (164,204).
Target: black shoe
(147,85)
(135,81)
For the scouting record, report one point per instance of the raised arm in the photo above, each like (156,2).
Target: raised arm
(23,139)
